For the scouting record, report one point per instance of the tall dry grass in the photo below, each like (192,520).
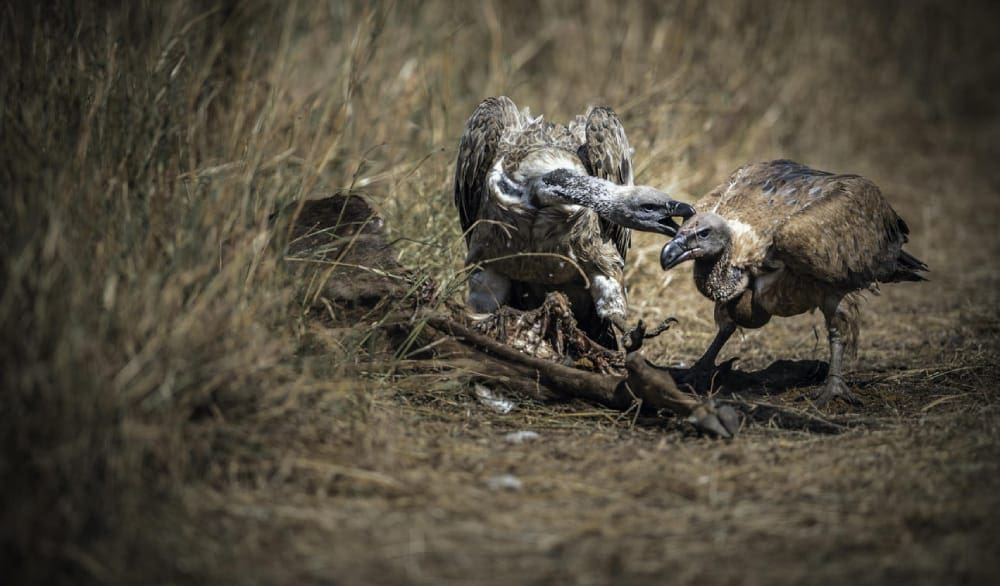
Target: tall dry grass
(145,148)
(144,312)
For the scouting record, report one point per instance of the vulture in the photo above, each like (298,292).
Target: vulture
(782,239)
(546,207)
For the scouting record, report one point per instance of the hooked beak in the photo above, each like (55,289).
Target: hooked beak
(674,209)
(675,252)
(682,209)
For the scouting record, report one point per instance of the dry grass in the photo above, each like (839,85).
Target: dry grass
(170,414)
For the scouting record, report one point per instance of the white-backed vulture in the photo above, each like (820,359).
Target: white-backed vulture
(548,207)
(780,238)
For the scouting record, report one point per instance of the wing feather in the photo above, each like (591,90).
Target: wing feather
(608,156)
(477,152)
(835,228)
(848,235)
(765,195)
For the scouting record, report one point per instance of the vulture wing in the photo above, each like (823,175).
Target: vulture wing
(477,152)
(765,195)
(847,234)
(836,228)
(608,156)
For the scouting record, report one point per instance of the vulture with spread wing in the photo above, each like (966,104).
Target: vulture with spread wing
(549,207)
(780,238)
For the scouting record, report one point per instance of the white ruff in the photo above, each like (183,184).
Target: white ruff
(749,249)
(515,192)
(505,192)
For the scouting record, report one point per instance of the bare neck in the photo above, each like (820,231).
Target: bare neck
(717,279)
(564,186)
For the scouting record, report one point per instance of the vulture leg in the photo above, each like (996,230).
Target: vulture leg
(727,327)
(488,290)
(839,322)
(609,301)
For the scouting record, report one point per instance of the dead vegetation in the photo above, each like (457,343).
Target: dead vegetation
(177,407)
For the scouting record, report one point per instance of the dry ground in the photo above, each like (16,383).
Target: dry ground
(171,413)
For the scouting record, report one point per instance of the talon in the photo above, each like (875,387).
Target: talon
(834,388)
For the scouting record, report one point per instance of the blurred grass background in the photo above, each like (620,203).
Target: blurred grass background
(152,340)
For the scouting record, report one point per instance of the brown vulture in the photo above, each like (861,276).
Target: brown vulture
(780,238)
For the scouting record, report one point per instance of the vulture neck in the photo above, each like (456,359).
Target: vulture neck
(717,279)
(602,196)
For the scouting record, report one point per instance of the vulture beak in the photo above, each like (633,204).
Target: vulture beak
(675,252)
(675,209)
(682,209)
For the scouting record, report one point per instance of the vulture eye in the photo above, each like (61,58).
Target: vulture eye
(650,207)
(704,232)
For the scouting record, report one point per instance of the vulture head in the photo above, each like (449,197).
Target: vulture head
(702,235)
(648,209)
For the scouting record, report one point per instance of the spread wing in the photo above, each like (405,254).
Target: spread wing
(607,155)
(477,152)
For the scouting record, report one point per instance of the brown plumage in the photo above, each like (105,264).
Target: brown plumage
(780,238)
(546,207)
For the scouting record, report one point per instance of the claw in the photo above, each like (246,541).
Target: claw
(834,388)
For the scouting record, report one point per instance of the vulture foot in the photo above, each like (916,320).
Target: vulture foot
(722,422)
(834,388)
